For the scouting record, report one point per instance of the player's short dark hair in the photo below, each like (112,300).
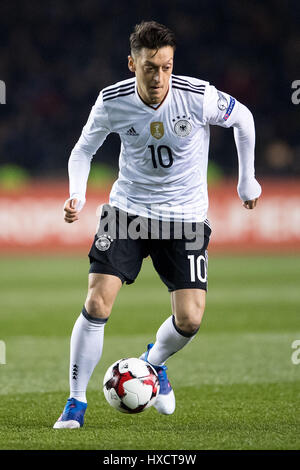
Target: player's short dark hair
(151,35)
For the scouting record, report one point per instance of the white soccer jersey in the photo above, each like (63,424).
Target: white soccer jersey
(164,151)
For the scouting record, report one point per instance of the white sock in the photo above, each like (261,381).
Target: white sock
(85,352)
(169,340)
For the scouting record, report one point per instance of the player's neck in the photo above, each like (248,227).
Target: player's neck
(153,105)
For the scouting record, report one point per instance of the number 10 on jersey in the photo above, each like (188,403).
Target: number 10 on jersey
(161,156)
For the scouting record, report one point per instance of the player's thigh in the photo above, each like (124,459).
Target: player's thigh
(188,307)
(113,250)
(102,292)
(180,264)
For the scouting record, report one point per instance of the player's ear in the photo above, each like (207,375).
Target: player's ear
(131,64)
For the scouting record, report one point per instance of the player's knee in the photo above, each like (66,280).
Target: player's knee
(190,321)
(97,307)
(188,326)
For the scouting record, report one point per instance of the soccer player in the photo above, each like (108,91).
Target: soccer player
(163,121)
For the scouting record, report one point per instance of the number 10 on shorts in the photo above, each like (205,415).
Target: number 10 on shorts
(198,265)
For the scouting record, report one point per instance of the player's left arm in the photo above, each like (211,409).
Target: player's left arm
(221,109)
(248,188)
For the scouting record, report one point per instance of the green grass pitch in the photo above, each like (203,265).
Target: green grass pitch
(236,386)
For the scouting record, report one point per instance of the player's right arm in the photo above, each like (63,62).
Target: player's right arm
(92,137)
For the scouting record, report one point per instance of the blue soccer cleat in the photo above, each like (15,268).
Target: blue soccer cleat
(165,402)
(73,415)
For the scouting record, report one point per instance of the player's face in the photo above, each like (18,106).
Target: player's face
(153,69)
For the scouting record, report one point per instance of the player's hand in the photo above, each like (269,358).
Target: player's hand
(249,191)
(250,204)
(71,212)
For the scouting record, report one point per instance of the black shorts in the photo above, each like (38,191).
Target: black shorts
(180,262)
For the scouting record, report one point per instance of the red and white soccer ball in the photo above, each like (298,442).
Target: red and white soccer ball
(131,385)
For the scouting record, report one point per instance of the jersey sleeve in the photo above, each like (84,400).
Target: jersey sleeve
(95,130)
(219,108)
(92,137)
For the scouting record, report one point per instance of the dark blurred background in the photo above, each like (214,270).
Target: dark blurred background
(55,57)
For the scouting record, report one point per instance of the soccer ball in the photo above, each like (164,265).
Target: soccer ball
(131,385)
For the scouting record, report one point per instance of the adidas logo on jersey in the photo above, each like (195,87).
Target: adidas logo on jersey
(131,131)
